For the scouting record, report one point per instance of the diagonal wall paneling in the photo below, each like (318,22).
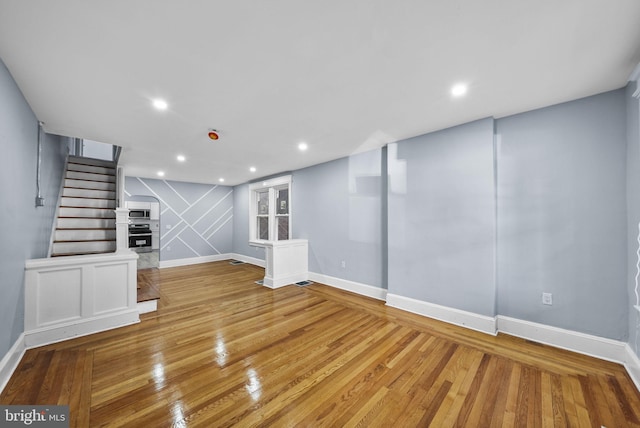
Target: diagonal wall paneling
(196,220)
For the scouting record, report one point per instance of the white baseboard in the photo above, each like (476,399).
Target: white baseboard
(481,323)
(247,259)
(594,346)
(148,306)
(58,333)
(193,260)
(632,364)
(208,259)
(10,361)
(283,281)
(352,286)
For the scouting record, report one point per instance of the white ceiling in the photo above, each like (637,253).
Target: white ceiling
(343,75)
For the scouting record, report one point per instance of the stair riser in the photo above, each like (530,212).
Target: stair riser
(85,223)
(89,184)
(84,235)
(91,161)
(82,247)
(90,168)
(89,176)
(105,194)
(86,202)
(86,212)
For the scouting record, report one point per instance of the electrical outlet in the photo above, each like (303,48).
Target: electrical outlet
(39,201)
(343,264)
(547,299)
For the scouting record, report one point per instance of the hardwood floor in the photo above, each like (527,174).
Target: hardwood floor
(148,284)
(223,351)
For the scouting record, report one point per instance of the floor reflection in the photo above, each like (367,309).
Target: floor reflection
(254,388)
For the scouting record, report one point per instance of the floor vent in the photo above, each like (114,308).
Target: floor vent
(260,282)
(303,283)
(236,262)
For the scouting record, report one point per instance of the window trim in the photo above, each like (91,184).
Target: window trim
(270,186)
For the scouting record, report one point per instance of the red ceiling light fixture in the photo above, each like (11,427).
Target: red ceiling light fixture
(213,134)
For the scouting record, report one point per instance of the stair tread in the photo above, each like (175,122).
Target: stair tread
(89,218)
(88,188)
(88,197)
(85,228)
(83,240)
(89,181)
(91,161)
(80,189)
(86,207)
(80,254)
(70,166)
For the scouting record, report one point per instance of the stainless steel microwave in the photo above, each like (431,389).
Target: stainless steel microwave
(145,214)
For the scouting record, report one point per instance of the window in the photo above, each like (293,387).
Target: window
(270,210)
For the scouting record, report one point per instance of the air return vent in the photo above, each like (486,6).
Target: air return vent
(303,283)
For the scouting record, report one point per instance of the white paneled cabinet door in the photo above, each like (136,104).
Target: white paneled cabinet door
(154,211)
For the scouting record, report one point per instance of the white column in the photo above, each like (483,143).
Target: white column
(122,230)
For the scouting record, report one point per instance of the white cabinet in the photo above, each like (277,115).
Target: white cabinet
(134,205)
(154,211)
(155,234)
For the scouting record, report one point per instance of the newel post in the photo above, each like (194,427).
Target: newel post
(122,229)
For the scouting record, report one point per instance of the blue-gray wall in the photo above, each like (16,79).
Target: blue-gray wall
(633,213)
(25,229)
(488,215)
(337,207)
(196,220)
(441,218)
(562,215)
(241,224)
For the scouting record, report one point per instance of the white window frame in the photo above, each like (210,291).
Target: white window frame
(271,186)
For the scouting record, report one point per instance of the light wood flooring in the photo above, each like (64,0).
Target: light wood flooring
(223,351)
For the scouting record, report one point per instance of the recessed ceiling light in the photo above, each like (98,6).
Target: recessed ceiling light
(181,158)
(459,90)
(221,180)
(302,147)
(160,173)
(160,104)
(252,169)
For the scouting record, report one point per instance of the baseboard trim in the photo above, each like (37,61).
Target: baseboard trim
(193,260)
(473,321)
(61,332)
(632,364)
(352,286)
(247,259)
(147,306)
(594,346)
(10,361)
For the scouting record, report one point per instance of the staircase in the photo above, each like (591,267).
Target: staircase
(86,217)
